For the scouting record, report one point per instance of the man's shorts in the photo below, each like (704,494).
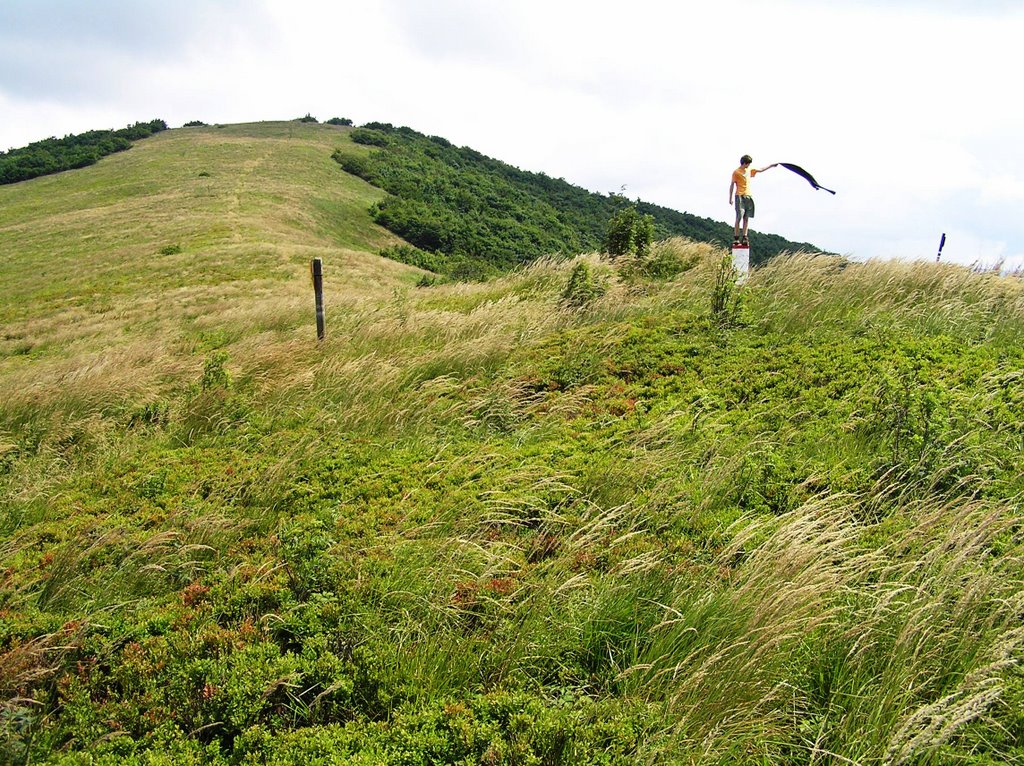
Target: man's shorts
(744,206)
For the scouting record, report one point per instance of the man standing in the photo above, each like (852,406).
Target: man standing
(744,203)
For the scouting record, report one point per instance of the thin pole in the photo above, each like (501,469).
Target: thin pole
(317,269)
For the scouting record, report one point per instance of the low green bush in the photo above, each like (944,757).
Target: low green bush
(583,287)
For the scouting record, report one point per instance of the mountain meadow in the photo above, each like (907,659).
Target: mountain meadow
(526,502)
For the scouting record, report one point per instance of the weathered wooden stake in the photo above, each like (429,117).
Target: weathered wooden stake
(317,268)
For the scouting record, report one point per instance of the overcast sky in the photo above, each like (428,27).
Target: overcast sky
(909,109)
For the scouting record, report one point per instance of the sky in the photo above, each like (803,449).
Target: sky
(908,109)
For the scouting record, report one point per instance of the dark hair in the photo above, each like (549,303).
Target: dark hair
(745,159)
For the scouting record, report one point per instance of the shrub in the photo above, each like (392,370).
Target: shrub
(725,298)
(457,267)
(630,233)
(369,137)
(151,414)
(413,256)
(354,165)
(339,121)
(214,373)
(583,287)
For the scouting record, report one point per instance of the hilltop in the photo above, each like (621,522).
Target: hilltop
(591,511)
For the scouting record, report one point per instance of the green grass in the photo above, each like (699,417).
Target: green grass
(480,523)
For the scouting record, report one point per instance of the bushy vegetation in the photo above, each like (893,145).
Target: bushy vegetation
(626,535)
(454,267)
(572,515)
(629,233)
(54,155)
(583,287)
(458,203)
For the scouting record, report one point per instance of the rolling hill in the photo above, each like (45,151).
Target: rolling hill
(590,511)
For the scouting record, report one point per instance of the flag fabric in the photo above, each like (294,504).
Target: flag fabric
(804,174)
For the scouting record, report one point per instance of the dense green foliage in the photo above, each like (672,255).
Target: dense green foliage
(630,233)
(54,155)
(458,202)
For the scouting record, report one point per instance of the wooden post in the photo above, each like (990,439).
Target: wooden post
(317,268)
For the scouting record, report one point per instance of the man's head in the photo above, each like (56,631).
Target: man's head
(745,159)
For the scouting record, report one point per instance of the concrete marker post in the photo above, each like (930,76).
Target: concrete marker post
(741,262)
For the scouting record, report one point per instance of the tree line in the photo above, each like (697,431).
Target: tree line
(54,155)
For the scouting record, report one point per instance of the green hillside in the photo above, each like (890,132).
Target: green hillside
(491,216)
(589,512)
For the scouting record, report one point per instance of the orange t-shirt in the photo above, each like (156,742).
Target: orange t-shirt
(739,177)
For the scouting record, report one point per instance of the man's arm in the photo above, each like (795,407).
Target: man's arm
(732,186)
(769,167)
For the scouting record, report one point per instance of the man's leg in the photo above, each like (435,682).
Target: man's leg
(748,211)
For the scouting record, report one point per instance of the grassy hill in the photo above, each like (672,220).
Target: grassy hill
(591,512)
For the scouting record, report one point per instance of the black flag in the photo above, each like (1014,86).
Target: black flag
(804,174)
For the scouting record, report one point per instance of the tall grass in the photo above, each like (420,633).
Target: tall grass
(803,641)
(800,291)
(472,488)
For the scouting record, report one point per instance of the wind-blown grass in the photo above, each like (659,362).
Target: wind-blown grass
(479,525)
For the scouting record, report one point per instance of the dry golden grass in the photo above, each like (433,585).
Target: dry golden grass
(117,277)
(803,289)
